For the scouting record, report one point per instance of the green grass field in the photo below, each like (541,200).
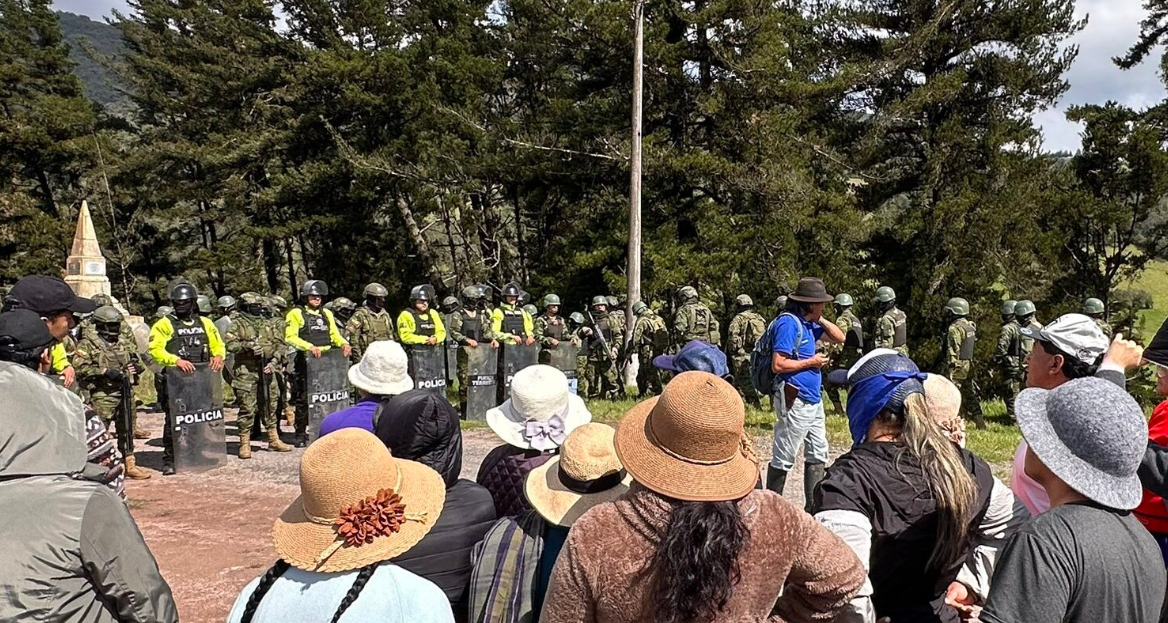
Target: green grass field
(1154,281)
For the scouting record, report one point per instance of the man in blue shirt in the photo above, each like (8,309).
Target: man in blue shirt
(798,398)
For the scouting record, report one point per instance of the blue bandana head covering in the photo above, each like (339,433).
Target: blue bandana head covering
(877,384)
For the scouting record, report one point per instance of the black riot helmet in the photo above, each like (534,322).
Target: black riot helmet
(314,287)
(184,298)
(420,293)
(511,289)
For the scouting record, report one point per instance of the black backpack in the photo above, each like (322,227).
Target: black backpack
(762,375)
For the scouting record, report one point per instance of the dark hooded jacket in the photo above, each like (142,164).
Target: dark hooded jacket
(71,551)
(421,426)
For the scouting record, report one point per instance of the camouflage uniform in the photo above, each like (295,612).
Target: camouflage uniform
(603,378)
(843,356)
(462,329)
(1009,357)
(251,340)
(580,335)
(695,321)
(891,330)
(1105,327)
(366,327)
(275,325)
(101,368)
(745,330)
(959,342)
(650,339)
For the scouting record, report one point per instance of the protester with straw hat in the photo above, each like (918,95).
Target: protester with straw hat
(358,508)
(693,540)
(921,512)
(512,573)
(533,423)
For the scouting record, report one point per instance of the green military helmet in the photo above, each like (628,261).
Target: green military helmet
(640,307)
(484,291)
(420,293)
(1008,307)
(957,306)
(277,302)
(314,287)
(531,310)
(251,300)
(470,294)
(844,300)
(1093,307)
(599,300)
(204,303)
(744,301)
(551,299)
(687,293)
(107,314)
(450,304)
(226,302)
(184,292)
(375,289)
(511,289)
(101,300)
(344,303)
(613,302)
(781,302)
(163,311)
(1025,308)
(576,318)
(524,297)
(885,294)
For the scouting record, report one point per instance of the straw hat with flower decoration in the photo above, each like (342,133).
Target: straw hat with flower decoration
(690,443)
(587,472)
(358,505)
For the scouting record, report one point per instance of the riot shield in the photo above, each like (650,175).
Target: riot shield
(482,372)
(515,358)
(196,405)
(326,386)
(428,367)
(563,357)
(222,325)
(451,361)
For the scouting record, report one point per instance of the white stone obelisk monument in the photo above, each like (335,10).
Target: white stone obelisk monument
(85,268)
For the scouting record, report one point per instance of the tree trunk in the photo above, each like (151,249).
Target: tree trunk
(429,261)
(458,275)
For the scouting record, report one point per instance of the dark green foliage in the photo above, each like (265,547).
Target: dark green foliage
(92,45)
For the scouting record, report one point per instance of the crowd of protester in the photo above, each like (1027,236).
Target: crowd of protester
(663,518)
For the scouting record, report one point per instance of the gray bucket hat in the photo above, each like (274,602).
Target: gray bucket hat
(1091,434)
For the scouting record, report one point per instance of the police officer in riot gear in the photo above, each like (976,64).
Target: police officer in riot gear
(470,327)
(181,340)
(371,322)
(420,324)
(509,323)
(311,330)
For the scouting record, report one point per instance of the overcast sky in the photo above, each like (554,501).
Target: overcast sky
(1112,26)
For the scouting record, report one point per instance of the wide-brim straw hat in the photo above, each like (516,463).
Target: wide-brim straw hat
(340,473)
(690,442)
(383,370)
(587,472)
(539,393)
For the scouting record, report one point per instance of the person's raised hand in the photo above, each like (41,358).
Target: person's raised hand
(1125,354)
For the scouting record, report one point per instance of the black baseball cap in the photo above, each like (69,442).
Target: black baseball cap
(48,295)
(22,329)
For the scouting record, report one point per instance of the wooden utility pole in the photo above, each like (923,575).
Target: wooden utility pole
(634,268)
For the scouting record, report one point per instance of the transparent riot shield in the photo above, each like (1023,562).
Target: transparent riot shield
(428,367)
(451,361)
(326,386)
(196,404)
(482,373)
(515,358)
(563,358)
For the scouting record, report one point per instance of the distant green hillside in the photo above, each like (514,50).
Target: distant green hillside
(1154,281)
(106,41)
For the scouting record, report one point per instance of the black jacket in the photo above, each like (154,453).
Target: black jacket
(421,426)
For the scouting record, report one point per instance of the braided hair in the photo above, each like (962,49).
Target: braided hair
(355,590)
(261,589)
(278,570)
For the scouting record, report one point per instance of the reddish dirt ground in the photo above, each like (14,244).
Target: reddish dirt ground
(211,532)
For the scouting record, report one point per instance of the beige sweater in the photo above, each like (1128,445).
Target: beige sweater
(600,574)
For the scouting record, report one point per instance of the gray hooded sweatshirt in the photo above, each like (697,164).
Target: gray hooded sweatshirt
(69,550)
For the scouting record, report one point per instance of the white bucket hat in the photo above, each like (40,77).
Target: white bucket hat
(540,412)
(383,370)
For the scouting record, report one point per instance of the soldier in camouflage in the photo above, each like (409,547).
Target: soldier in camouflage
(343,309)
(107,368)
(960,339)
(1094,309)
(891,327)
(251,339)
(580,332)
(603,351)
(225,305)
(693,320)
(275,308)
(843,356)
(371,322)
(746,328)
(1025,312)
(616,310)
(549,327)
(470,327)
(650,339)
(1009,356)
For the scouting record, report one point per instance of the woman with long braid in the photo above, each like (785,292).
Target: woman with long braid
(358,508)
